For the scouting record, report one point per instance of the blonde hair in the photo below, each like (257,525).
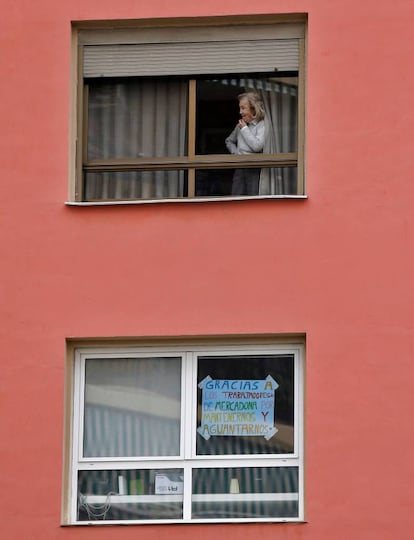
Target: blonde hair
(255,104)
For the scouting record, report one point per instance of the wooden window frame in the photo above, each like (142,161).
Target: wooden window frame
(191,161)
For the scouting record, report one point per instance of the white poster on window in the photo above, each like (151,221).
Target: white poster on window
(238,407)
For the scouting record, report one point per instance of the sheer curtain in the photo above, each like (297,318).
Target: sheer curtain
(280,104)
(132,119)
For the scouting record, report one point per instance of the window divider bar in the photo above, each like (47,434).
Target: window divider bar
(80,141)
(191,117)
(301,119)
(216,161)
(85,124)
(188,404)
(191,134)
(187,490)
(191,183)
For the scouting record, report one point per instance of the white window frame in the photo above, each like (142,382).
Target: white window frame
(188,459)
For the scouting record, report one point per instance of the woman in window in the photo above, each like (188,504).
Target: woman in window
(247,138)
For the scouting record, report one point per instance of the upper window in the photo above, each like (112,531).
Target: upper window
(187,435)
(174,113)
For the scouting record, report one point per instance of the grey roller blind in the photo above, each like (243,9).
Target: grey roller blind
(191,58)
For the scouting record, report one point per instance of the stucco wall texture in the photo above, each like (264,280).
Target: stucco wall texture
(337,266)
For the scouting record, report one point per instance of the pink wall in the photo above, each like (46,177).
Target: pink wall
(337,266)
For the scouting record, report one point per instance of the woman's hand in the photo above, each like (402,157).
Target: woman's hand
(242,123)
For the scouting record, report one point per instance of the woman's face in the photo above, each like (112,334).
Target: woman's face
(246,112)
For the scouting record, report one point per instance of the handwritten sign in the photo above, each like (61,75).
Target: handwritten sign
(237,407)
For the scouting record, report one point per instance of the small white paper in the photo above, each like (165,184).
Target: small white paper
(168,485)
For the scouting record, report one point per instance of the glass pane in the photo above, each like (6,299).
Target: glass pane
(137,118)
(275,101)
(245,405)
(130,494)
(135,185)
(132,407)
(247,181)
(256,492)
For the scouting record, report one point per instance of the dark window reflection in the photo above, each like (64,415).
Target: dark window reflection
(264,181)
(217,111)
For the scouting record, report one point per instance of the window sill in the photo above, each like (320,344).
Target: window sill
(185,200)
(166,522)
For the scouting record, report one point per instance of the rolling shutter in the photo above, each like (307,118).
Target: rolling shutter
(191,58)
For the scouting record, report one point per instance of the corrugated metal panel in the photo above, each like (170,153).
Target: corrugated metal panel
(151,59)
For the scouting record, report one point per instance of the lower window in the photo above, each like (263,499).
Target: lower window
(173,435)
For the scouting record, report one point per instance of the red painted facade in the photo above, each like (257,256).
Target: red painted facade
(337,267)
